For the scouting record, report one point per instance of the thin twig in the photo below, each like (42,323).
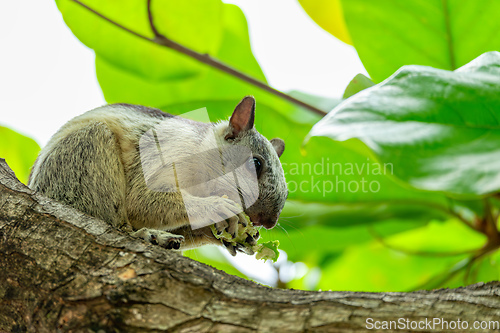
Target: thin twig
(438,281)
(113,22)
(150,17)
(204,58)
(452,212)
(491,229)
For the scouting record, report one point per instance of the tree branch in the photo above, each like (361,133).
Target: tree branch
(65,271)
(204,58)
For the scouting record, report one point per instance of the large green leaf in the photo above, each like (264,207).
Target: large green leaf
(443,34)
(18,151)
(440,129)
(196,24)
(357,84)
(387,269)
(219,93)
(125,85)
(316,243)
(328,14)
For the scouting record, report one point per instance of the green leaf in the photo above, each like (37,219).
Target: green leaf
(197,25)
(313,244)
(121,84)
(219,93)
(18,151)
(386,269)
(348,214)
(439,129)
(328,14)
(443,34)
(357,84)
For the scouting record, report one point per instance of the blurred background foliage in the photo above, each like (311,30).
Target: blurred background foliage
(429,218)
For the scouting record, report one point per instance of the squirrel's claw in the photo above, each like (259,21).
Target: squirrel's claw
(244,249)
(230,248)
(160,237)
(221,226)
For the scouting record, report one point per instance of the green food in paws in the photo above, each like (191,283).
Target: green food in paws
(265,251)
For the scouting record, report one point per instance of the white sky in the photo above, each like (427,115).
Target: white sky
(48,76)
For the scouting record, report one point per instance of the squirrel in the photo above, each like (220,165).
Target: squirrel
(106,163)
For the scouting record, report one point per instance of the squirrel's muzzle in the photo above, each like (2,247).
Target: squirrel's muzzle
(261,219)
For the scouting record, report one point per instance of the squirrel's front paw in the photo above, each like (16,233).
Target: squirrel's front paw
(159,237)
(234,236)
(235,216)
(236,232)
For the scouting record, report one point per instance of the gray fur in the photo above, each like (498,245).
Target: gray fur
(93,163)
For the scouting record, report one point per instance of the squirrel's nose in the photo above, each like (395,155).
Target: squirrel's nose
(265,221)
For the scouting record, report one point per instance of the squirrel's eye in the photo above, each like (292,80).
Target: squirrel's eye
(258,165)
(255,163)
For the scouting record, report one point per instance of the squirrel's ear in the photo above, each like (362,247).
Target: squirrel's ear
(278,145)
(242,118)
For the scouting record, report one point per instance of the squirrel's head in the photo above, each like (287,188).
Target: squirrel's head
(265,210)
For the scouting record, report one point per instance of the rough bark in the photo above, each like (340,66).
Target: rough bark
(63,271)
